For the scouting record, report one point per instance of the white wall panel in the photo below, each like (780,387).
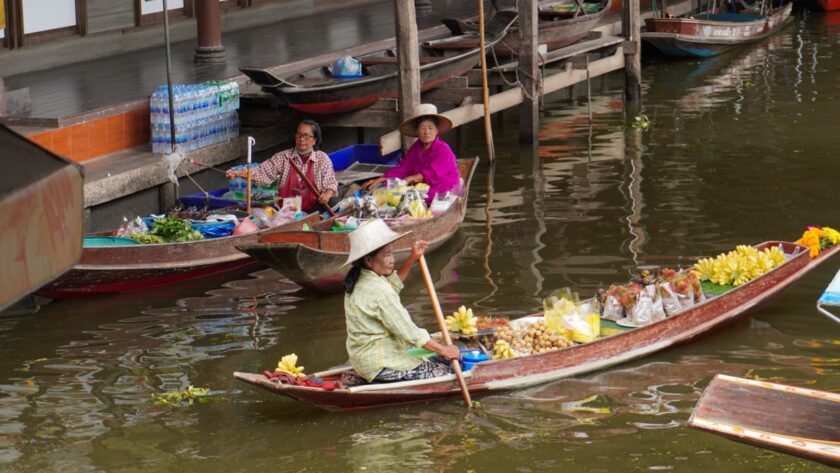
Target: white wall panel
(44,15)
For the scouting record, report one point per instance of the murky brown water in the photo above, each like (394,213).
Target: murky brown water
(743,148)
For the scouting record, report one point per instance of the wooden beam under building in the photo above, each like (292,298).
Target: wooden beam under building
(512,97)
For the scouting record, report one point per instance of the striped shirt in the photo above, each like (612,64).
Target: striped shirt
(379,329)
(277,168)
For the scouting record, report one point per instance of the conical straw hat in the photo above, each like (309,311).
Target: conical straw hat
(409,127)
(369,237)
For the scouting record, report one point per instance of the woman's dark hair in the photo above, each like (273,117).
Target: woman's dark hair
(424,118)
(316,131)
(353,275)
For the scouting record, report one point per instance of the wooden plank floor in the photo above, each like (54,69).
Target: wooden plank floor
(78,88)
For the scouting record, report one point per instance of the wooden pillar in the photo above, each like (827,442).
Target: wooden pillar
(209,22)
(2,96)
(529,111)
(408,61)
(631,23)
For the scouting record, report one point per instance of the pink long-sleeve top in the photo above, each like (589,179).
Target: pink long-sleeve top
(436,164)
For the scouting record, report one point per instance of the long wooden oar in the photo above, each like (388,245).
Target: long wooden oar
(456,365)
(488,127)
(308,183)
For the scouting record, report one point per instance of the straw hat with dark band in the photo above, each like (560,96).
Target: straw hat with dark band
(369,237)
(425,110)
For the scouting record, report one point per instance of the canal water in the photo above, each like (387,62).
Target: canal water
(742,148)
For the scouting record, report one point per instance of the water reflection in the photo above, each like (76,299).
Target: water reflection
(724,164)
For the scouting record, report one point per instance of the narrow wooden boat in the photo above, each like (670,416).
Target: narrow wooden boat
(314,259)
(558,27)
(830,298)
(706,35)
(829,5)
(41,213)
(793,420)
(695,322)
(123,268)
(317,92)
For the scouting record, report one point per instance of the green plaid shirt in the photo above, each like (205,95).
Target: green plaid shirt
(379,329)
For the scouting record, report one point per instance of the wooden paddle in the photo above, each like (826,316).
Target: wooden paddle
(308,183)
(456,365)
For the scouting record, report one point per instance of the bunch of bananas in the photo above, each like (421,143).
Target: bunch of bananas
(288,364)
(740,266)
(417,209)
(462,321)
(503,350)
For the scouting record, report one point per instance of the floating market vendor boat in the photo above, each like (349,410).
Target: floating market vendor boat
(113,265)
(624,345)
(709,34)
(560,24)
(788,419)
(319,91)
(314,259)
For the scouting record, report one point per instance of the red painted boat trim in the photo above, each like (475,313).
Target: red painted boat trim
(829,5)
(134,285)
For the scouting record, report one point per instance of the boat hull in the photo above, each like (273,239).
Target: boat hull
(793,420)
(115,269)
(314,260)
(554,34)
(698,321)
(829,5)
(316,92)
(697,37)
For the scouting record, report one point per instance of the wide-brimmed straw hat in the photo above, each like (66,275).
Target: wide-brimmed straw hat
(369,237)
(409,127)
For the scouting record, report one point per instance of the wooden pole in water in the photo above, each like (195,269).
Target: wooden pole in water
(631,23)
(456,365)
(488,127)
(408,61)
(529,111)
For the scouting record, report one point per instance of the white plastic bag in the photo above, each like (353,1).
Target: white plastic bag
(613,310)
(670,301)
(642,311)
(658,310)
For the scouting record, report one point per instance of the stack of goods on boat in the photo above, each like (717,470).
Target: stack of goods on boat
(395,202)
(192,225)
(819,239)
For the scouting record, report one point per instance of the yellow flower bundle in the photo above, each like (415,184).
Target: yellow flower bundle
(740,266)
(818,239)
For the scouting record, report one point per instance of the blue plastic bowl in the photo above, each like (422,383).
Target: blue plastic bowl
(470,358)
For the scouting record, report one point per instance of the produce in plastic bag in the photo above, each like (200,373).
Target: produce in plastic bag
(670,301)
(658,309)
(613,310)
(133,227)
(642,311)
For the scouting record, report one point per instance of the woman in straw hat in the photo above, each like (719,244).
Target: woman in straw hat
(429,160)
(379,328)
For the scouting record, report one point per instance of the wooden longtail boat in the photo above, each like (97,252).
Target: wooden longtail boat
(317,92)
(708,35)
(798,421)
(697,321)
(314,259)
(556,30)
(123,268)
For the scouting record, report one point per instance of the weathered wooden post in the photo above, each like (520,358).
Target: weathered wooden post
(408,61)
(631,23)
(209,23)
(529,111)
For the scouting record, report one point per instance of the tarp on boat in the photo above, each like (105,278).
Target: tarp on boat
(41,214)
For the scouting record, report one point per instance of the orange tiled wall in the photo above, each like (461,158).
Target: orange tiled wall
(98,137)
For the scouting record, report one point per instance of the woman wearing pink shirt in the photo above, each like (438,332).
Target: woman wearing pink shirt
(429,160)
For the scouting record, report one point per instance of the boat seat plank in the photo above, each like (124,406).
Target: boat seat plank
(377,60)
(770,410)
